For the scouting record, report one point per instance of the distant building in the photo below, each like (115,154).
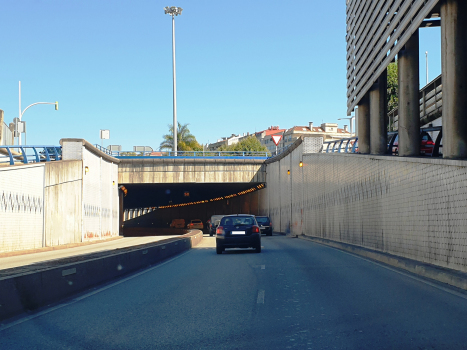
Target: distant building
(265,137)
(226,141)
(328,131)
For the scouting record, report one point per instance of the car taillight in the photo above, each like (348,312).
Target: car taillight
(219,230)
(255,229)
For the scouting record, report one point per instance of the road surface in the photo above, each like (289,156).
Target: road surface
(294,295)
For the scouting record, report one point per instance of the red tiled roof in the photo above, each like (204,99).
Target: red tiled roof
(269,132)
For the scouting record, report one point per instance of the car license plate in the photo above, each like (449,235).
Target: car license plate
(238,232)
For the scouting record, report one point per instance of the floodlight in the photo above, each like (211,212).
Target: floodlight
(173,11)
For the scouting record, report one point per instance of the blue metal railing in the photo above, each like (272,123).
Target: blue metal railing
(139,154)
(350,145)
(29,154)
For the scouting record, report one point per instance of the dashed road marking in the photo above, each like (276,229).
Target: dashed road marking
(260,298)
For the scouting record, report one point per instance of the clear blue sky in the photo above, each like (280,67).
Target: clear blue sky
(241,66)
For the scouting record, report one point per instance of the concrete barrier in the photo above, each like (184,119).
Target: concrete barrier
(28,291)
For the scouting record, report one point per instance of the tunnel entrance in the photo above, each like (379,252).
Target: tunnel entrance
(156,205)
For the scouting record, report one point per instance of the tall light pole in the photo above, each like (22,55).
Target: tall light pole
(174,11)
(426,54)
(22,112)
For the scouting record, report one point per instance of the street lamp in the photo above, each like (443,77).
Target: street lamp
(426,54)
(350,121)
(22,112)
(174,11)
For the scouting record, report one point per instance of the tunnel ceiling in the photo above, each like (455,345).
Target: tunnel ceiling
(156,195)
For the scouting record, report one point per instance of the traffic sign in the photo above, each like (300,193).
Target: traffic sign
(276,139)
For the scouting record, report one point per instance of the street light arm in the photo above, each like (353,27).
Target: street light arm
(350,120)
(40,103)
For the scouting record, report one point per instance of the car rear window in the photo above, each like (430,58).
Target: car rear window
(196,221)
(237,220)
(262,220)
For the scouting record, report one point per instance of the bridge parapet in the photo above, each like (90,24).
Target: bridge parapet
(191,170)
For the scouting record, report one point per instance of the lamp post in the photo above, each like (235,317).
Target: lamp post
(22,112)
(426,55)
(350,121)
(174,11)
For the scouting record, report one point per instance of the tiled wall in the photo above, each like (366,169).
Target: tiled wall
(100,197)
(57,203)
(410,207)
(21,207)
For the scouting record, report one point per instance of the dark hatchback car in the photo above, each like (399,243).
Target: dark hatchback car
(265,225)
(238,231)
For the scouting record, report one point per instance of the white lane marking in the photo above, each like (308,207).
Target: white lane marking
(263,267)
(23,320)
(444,289)
(260,298)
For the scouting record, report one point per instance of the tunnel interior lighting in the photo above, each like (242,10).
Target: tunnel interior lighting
(300,164)
(242,193)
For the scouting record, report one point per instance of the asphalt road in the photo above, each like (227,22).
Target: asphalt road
(294,295)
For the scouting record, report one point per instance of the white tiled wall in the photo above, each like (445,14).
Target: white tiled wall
(21,207)
(100,197)
(411,207)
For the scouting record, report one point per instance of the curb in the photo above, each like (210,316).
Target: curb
(58,247)
(28,291)
(454,278)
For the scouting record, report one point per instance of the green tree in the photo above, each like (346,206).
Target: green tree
(393,87)
(185,140)
(250,144)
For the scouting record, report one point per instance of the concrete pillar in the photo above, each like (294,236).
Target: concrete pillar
(364,125)
(454,70)
(409,105)
(379,115)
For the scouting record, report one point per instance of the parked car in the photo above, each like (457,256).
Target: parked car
(215,220)
(177,223)
(265,225)
(195,224)
(238,231)
(426,144)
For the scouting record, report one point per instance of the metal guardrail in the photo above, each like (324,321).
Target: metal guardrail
(350,145)
(29,154)
(169,154)
(431,103)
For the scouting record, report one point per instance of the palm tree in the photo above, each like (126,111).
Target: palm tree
(185,140)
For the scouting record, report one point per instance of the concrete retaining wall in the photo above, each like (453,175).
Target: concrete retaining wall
(23,292)
(414,208)
(63,202)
